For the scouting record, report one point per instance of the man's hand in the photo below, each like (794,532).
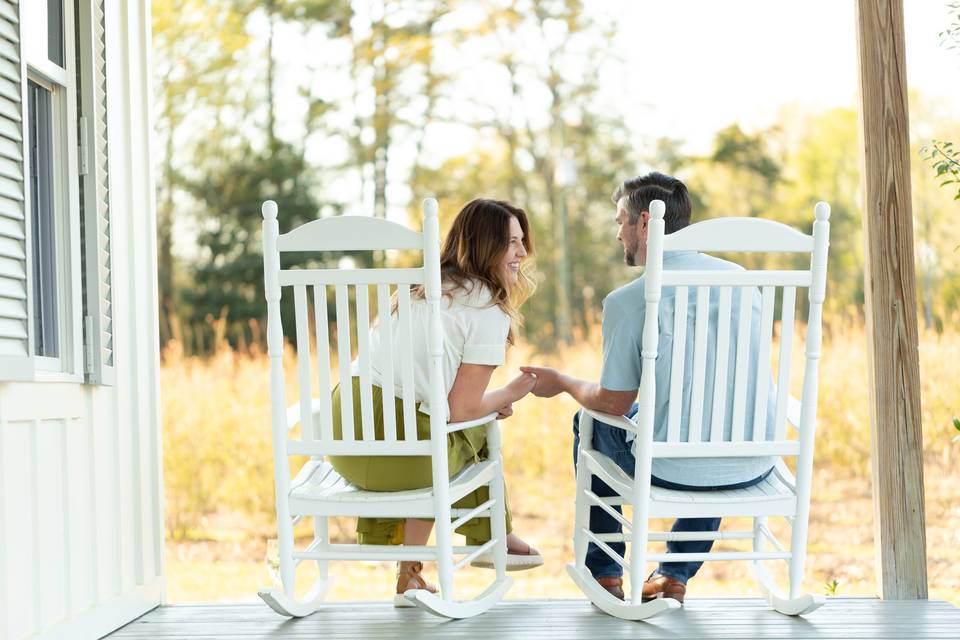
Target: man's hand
(548,381)
(505,412)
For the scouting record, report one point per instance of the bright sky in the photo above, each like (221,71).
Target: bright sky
(714,63)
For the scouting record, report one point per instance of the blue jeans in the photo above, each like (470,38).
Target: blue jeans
(612,442)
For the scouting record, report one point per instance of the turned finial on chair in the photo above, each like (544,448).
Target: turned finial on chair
(269,210)
(430,207)
(657,209)
(822,211)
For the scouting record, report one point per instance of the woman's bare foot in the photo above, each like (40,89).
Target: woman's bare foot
(517,546)
(520,556)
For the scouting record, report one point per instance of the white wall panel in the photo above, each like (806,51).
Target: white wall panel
(107,499)
(19,539)
(52,531)
(81,554)
(80,471)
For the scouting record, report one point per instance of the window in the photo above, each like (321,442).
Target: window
(52,212)
(43,223)
(55,276)
(55,44)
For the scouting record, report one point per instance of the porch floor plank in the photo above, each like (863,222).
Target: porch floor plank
(841,618)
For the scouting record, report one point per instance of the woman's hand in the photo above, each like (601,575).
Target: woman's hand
(548,381)
(505,411)
(521,385)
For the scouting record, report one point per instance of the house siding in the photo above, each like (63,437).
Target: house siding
(81,533)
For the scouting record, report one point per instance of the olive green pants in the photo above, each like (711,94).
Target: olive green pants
(402,473)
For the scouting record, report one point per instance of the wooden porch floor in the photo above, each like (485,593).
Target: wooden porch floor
(845,618)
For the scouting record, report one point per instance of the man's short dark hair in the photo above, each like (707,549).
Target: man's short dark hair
(643,190)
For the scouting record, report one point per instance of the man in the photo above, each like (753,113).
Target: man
(622,329)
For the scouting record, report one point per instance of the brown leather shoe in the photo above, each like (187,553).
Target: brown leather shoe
(613,585)
(659,586)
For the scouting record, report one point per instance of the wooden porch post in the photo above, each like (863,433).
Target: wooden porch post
(894,372)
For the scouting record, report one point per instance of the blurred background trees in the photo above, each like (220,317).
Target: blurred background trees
(333,106)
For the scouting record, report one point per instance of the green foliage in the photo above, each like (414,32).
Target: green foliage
(830,588)
(950,37)
(227,276)
(942,156)
(945,160)
(735,148)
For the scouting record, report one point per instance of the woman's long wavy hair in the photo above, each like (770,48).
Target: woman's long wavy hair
(474,248)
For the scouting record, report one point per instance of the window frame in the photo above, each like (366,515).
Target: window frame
(37,68)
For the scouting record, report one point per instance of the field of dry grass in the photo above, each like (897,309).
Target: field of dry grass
(219,487)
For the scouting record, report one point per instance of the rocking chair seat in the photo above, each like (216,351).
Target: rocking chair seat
(318,483)
(772,496)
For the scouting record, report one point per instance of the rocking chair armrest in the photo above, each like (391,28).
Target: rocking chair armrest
(293,412)
(621,422)
(466,424)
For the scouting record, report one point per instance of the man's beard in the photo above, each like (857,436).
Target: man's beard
(630,257)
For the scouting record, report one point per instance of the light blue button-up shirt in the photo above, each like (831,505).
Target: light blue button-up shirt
(623,319)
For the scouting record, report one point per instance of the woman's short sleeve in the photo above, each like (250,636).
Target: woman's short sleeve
(486,339)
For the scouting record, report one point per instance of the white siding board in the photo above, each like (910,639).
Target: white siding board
(19,507)
(80,543)
(103,422)
(52,530)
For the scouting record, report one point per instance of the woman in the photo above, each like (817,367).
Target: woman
(483,283)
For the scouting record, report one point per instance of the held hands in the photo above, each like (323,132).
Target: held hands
(521,385)
(547,381)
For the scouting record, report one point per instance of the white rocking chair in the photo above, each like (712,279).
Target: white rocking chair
(318,491)
(780,494)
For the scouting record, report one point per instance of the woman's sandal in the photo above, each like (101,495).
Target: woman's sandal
(408,572)
(516,561)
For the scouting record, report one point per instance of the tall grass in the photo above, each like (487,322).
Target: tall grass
(219,472)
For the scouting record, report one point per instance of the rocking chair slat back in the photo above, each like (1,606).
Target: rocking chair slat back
(405,358)
(763,382)
(344,353)
(386,364)
(303,361)
(677,365)
(363,360)
(322,332)
(699,364)
(720,367)
(735,357)
(786,350)
(740,378)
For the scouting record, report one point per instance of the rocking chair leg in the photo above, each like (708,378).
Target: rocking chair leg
(614,606)
(287,605)
(800,604)
(321,531)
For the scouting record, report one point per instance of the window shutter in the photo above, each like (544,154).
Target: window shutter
(15,360)
(95,194)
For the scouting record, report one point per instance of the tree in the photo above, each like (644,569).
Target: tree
(195,45)
(943,156)
(564,159)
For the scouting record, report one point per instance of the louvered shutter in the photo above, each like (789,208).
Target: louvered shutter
(95,194)
(15,360)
